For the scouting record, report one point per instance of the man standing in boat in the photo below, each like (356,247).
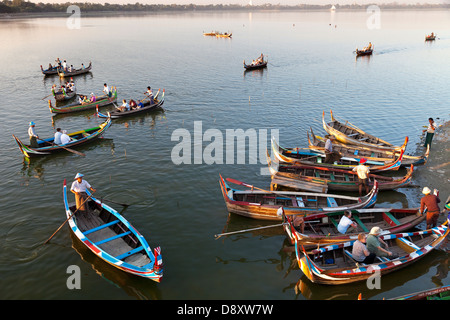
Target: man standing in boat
(33,135)
(79,187)
(363,175)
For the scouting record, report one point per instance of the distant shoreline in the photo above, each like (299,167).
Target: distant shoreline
(108,13)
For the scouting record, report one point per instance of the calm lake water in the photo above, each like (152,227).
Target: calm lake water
(312,68)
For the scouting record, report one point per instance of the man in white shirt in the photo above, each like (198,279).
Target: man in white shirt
(363,175)
(106,90)
(58,134)
(346,224)
(65,138)
(79,187)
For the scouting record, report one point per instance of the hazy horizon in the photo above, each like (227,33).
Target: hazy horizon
(254,2)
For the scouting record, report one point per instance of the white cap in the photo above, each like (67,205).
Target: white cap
(426,190)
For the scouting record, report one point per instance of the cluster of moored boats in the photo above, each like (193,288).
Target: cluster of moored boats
(301,186)
(101,228)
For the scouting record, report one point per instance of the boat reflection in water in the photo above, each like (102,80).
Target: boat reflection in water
(134,286)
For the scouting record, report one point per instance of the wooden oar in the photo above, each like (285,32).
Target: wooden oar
(68,218)
(47,96)
(217,236)
(122,204)
(70,150)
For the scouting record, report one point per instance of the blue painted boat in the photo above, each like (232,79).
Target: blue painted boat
(113,239)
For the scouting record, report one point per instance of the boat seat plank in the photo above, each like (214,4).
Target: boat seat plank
(113,238)
(129,253)
(101,227)
(331,202)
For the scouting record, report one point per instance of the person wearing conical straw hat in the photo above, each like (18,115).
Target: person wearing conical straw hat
(431,202)
(79,187)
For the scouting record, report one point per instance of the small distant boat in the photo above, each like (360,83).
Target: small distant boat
(101,101)
(48,147)
(65,73)
(223,35)
(335,265)
(263,204)
(147,106)
(58,70)
(430,37)
(211,34)
(364,52)
(259,63)
(113,239)
(63,95)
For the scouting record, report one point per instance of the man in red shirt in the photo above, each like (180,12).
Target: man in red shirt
(430,201)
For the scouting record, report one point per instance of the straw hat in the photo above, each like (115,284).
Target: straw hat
(79,175)
(426,190)
(375,231)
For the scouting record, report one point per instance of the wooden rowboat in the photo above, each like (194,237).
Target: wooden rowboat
(295,156)
(334,265)
(366,52)
(76,106)
(113,239)
(441,293)
(430,37)
(263,204)
(47,147)
(58,71)
(322,230)
(147,106)
(64,95)
(317,144)
(350,134)
(260,65)
(223,35)
(62,73)
(300,177)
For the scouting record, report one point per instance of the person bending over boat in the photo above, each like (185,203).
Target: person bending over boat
(330,155)
(360,252)
(376,245)
(346,224)
(363,175)
(33,135)
(79,187)
(431,202)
